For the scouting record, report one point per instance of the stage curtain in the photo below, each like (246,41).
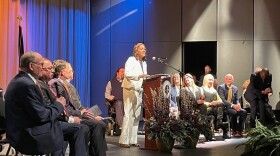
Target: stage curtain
(8,41)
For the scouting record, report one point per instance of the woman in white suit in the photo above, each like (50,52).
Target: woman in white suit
(135,71)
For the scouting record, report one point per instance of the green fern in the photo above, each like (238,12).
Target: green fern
(276,130)
(263,141)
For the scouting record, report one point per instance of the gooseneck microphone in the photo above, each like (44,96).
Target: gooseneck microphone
(159,58)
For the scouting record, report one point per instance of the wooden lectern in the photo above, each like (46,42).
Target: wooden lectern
(154,83)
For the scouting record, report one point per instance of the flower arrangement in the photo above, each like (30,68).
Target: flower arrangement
(184,130)
(196,123)
(161,124)
(165,127)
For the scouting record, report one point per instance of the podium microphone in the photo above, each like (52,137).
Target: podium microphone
(159,58)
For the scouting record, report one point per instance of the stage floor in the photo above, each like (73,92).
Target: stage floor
(214,148)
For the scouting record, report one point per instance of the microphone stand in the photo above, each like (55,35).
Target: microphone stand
(181,78)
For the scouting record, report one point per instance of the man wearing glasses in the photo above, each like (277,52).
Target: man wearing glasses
(32,126)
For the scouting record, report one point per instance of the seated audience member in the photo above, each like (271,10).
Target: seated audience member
(207,70)
(246,104)
(114,96)
(70,132)
(214,103)
(32,126)
(229,95)
(192,99)
(175,93)
(76,112)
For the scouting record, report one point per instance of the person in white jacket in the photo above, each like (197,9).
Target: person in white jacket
(135,71)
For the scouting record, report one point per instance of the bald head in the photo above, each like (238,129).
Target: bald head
(31,62)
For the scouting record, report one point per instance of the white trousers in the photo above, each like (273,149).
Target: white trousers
(132,109)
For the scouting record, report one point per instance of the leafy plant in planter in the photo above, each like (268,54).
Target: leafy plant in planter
(263,141)
(195,122)
(161,125)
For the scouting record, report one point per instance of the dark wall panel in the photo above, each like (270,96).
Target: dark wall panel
(100,51)
(162,20)
(127,20)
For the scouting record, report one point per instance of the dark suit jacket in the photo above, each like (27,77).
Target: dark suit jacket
(49,97)
(76,101)
(223,92)
(61,91)
(32,127)
(256,86)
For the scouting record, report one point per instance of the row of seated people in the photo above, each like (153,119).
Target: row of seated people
(210,102)
(256,90)
(44,112)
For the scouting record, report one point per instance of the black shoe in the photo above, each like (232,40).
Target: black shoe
(276,123)
(225,136)
(212,139)
(117,132)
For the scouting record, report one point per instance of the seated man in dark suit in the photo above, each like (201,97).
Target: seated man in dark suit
(229,95)
(76,112)
(114,97)
(69,129)
(32,126)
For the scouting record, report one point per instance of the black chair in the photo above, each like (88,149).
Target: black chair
(111,123)
(3,125)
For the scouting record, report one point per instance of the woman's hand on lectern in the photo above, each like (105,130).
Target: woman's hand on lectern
(143,75)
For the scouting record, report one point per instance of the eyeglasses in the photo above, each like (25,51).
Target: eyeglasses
(38,63)
(49,68)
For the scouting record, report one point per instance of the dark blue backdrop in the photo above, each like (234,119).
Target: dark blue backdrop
(95,36)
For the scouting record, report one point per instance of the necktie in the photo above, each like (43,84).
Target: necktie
(69,95)
(229,98)
(67,89)
(54,93)
(38,85)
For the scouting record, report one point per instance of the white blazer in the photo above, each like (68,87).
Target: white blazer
(132,71)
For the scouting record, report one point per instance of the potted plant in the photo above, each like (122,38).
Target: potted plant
(162,127)
(263,141)
(195,122)
(165,129)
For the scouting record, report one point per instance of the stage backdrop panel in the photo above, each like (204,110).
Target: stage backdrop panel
(126,20)
(119,54)
(170,50)
(162,20)
(235,57)
(235,20)
(267,21)
(199,20)
(100,52)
